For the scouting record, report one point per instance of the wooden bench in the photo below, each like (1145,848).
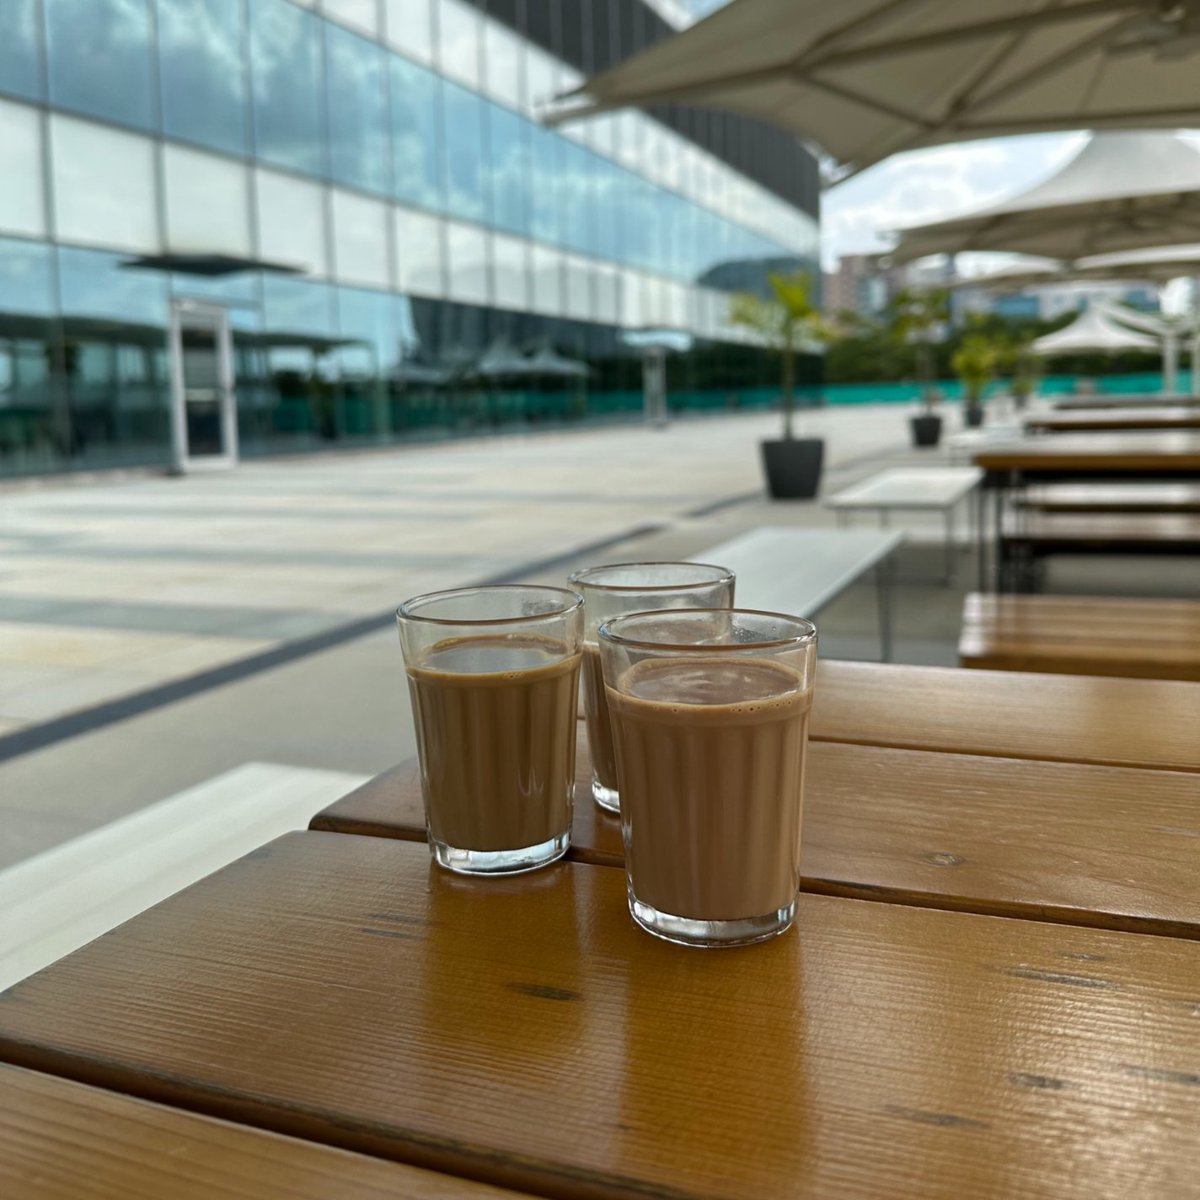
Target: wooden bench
(1028,537)
(1112,497)
(1082,635)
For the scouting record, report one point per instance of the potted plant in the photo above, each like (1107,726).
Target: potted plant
(919,318)
(1026,371)
(974,361)
(786,321)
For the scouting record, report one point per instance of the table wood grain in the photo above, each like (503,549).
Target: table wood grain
(61,1140)
(1072,718)
(1086,845)
(1140,452)
(1117,419)
(1081,635)
(522,1031)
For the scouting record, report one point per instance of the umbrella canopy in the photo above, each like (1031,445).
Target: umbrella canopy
(1159,264)
(1122,191)
(1091,330)
(864,79)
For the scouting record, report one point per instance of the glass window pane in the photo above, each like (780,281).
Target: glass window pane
(508,145)
(416,137)
(208,202)
(579,288)
(510,272)
(21,199)
(410,27)
(607,294)
(358,121)
(502,55)
(201,66)
(360,239)
(420,264)
(466,175)
(298,330)
(578,197)
(363,14)
(459,34)
(541,78)
(366,360)
(546,268)
(19,49)
(291,222)
(104,185)
(285,63)
(545,178)
(467,261)
(99,56)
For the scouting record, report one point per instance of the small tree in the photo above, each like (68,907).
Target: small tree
(917,318)
(785,321)
(974,361)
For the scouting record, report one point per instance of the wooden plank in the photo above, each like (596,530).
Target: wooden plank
(1072,718)
(1154,400)
(1145,417)
(1105,530)
(1113,497)
(1009,837)
(1138,638)
(61,1140)
(524,1032)
(390,805)
(1145,452)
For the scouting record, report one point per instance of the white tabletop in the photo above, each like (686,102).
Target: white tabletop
(909,487)
(798,571)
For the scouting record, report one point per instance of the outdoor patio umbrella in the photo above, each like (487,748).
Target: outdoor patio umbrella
(1092,330)
(1122,191)
(1159,264)
(864,79)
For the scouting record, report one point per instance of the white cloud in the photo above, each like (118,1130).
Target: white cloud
(927,185)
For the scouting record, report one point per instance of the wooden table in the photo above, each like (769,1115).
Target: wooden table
(1081,457)
(523,1032)
(1116,420)
(1082,635)
(1007,836)
(1153,400)
(61,1140)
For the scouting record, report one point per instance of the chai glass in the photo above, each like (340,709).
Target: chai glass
(611,591)
(494,677)
(710,715)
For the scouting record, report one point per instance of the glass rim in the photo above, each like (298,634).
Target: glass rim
(806,638)
(405,613)
(724,575)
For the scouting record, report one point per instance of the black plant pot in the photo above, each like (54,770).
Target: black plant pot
(926,429)
(793,467)
(973,415)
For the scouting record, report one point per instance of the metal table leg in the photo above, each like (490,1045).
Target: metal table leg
(883,592)
(948,514)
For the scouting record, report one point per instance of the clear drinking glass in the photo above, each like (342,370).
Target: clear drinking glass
(494,677)
(626,588)
(710,723)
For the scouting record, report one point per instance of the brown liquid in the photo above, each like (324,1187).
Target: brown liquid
(495,720)
(599,723)
(711,753)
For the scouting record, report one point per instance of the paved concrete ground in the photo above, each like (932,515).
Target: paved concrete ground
(112,588)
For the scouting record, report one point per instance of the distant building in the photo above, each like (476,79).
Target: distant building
(857,285)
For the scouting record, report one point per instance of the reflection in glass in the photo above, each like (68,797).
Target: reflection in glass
(508,146)
(201,68)
(33,428)
(416,137)
(367,356)
(466,166)
(291,222)
(545,220)
(19,72)
(360,239)
(113,363)
(285,64)
(208,202)
(298,341)
(99,58)
(358,120)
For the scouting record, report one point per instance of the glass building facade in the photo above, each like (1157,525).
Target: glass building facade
(341,220)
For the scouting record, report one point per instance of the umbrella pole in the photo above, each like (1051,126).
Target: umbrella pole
(1196,364)
(1171,363)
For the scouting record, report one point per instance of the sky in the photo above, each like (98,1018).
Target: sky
(928,185)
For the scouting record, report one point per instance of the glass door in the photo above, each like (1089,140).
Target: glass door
(204,420)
